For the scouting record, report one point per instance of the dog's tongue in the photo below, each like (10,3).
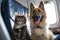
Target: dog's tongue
(37,22)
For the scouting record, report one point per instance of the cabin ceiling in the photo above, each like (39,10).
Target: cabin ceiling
(27,2)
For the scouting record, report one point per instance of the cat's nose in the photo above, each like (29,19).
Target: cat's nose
(20,23)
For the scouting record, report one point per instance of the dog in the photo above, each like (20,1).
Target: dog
(20,28)
(38,23)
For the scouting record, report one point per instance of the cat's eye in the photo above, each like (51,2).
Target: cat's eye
(18,19)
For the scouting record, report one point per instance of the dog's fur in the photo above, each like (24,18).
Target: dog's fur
(38,29)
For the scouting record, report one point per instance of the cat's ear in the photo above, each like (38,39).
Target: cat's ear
(25,15)
(41,5)
(31,6)
(16,14)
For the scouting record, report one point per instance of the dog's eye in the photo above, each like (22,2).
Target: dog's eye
(40,16)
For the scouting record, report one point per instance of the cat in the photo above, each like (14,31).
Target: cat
(20,28)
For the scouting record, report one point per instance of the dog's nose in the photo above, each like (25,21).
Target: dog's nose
(38,16)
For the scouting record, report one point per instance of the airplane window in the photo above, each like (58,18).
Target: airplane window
(51,13)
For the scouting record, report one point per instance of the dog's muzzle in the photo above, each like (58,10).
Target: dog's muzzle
(37,18)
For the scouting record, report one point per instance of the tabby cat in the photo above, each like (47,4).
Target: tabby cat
(20,28)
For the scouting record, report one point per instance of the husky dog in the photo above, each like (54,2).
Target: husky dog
(38,23)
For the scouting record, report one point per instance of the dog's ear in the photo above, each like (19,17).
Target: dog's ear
(31,6)
(41,5)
